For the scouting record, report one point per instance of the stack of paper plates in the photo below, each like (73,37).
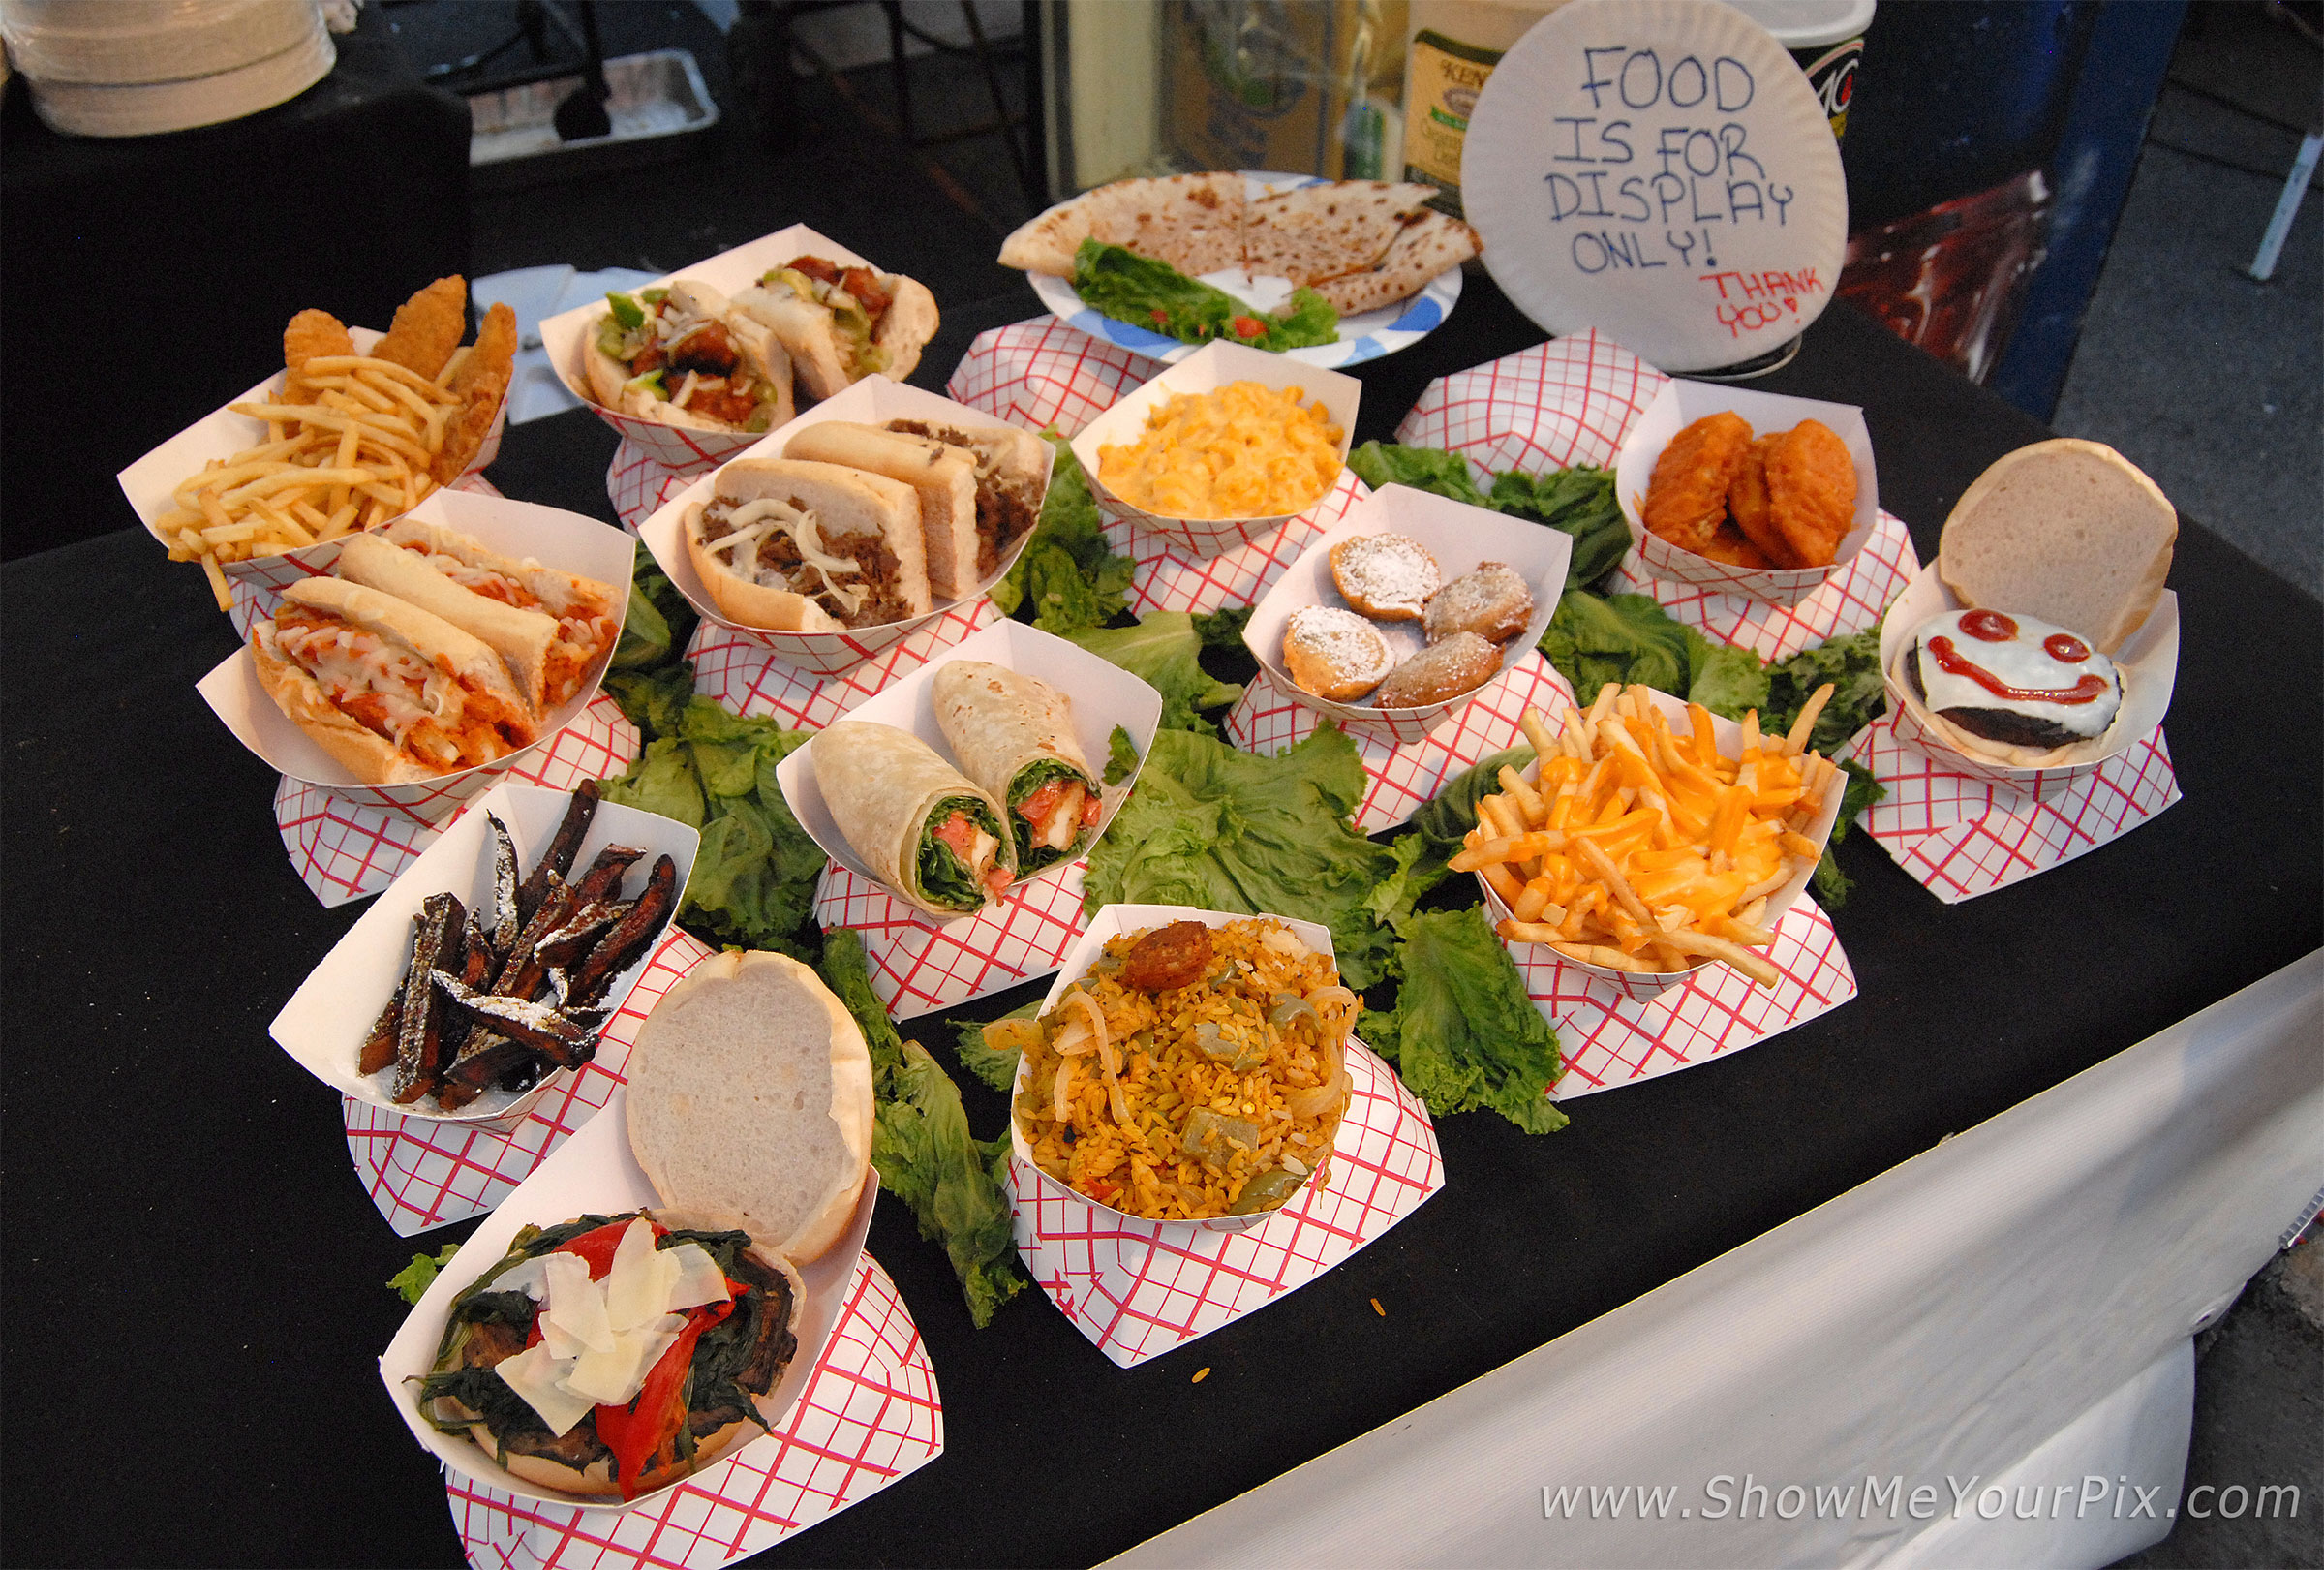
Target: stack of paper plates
(131,68)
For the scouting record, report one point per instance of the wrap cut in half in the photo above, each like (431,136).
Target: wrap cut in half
(1014,736)
(934,838)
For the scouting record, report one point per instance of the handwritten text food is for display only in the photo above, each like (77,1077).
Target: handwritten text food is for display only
(1646,182)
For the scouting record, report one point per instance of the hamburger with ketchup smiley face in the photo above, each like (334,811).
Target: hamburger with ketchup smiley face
(2056,556)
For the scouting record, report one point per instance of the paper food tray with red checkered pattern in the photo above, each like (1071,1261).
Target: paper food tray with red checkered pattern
(1961,836)
(1458,538)
(874,400)
(594,1173)
(151,483)
(1215,365)
(871,1414)
(346,850)
(323,1025)
(566,338)
(1575,400)
(1610,1038)
(1401,776)
(1138,1288)
(637,485)
(423,1173)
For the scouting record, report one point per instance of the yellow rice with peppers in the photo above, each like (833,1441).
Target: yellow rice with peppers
(1219,1097)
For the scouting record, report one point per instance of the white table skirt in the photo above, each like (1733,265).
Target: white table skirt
(2000,1323)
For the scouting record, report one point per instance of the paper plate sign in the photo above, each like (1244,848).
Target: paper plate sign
(1660,169)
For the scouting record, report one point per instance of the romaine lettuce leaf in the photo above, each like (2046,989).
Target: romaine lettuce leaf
(1068,577)
(1226,830)
(1464,1034)
(922,1146)
(1165,650)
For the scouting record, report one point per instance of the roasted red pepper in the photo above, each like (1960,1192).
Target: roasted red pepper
(643,1434)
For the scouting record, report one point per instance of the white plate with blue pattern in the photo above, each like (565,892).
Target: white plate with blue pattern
(1367,335)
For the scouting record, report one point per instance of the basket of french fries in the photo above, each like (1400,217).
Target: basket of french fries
(355,431)
(1651,838)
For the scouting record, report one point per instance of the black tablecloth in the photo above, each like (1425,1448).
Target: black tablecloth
(195,1294)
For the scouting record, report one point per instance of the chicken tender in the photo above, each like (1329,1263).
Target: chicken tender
(1812,491)
(1747,505)
(427,327)
(311,334)
(482,381)
(1686,498)
(1729,545)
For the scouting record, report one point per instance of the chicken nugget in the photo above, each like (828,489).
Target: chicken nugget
(1747,504)
(480,382)
(1686,498)
(1728,544)
(427,327)
(1812,491)
(310,334)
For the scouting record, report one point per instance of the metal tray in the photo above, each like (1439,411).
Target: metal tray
(656,101)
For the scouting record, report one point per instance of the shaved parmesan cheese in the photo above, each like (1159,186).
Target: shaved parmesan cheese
(699,1279)
(536,1375)
(527,1275)
(637,1286)
(577,1306)
(614,1376)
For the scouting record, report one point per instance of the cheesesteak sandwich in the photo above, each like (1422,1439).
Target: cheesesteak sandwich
(796,546)
(840,323)
(934,837)
(549,626)
(391,692)
(613,1355)
(681,354)
(980,489)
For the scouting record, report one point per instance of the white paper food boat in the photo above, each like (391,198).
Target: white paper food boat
(1679,405)
(594,1173)
(564,541)
(873,401)
(566,338)
(1646,984)
(1111,922)
(323,1025)
(1215,365)
(2148,662)
(151,483)
(1102,696)
(1461,538)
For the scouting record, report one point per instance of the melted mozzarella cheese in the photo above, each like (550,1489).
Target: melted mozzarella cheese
(2022,663)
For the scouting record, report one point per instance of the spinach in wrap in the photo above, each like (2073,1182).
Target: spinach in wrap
(1014,736)
(933,838)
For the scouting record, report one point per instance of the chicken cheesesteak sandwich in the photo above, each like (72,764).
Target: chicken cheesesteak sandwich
(682,355)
